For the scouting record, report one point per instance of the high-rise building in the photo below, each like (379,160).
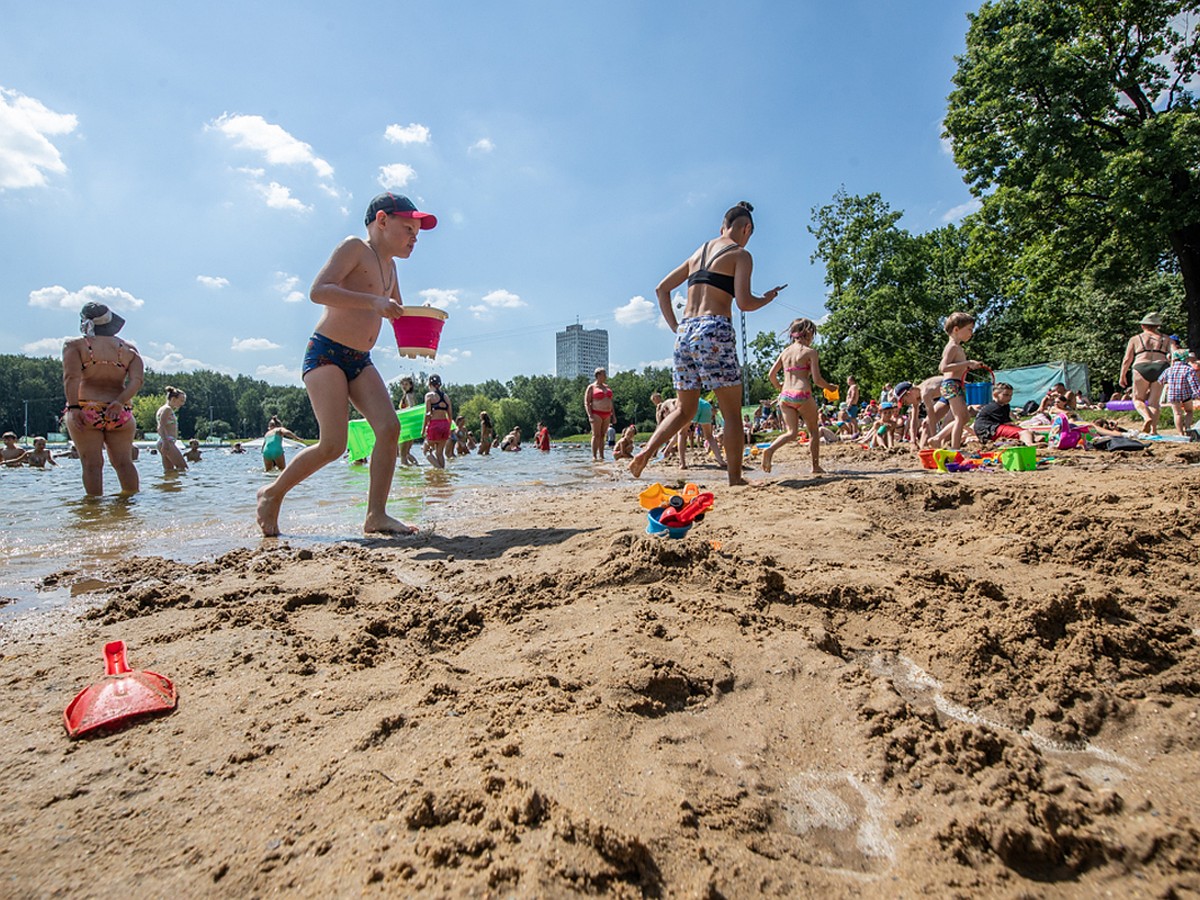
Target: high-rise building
(580,351)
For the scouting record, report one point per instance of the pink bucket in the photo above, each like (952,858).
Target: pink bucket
(419,330)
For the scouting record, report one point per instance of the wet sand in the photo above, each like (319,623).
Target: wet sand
(865,684)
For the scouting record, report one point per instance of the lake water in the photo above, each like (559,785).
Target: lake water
(47,524)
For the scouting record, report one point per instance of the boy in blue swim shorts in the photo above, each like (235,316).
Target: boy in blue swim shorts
(705,358)
(359,289)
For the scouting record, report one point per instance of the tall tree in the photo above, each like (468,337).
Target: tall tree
(1075,123)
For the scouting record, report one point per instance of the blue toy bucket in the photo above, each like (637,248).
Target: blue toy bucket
(978,392)
(657,528)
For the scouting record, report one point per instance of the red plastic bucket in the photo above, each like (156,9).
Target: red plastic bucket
(419,330)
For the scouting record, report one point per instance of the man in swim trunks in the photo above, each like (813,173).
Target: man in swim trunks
(717,274)
(359,289)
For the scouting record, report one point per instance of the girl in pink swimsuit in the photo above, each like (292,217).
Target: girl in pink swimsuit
(801,370)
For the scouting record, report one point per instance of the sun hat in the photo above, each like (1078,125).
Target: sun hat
(1151,319)
(97,319)
(887,404)
(399,205)
(902,388)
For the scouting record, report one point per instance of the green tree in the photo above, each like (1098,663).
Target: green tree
(1075,123)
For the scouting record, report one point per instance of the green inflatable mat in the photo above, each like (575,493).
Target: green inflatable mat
(360,439)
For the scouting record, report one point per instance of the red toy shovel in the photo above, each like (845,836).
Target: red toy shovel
(122,695)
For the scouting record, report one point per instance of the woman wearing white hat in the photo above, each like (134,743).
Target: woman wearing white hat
(101,375)
(1146,355)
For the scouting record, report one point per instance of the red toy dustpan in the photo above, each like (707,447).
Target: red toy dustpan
(691,512)
(122,695)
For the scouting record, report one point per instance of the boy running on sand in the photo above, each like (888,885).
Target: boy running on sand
(359,289)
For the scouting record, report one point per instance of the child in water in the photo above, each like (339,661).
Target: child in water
(801,370)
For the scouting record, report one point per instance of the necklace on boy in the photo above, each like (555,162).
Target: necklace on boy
(387,282)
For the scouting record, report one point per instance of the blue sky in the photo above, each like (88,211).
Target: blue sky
(192,165)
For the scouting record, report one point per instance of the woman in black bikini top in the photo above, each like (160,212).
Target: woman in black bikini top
(1146,355)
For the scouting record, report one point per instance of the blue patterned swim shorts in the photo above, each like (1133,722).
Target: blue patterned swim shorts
(705,354)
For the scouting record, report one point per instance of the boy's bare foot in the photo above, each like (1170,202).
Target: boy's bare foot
(817,470)
(267,513)
(766,460)
(385,524)
(738,482)
(638,464)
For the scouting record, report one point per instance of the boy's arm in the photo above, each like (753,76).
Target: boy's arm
(663,293)
(327,288)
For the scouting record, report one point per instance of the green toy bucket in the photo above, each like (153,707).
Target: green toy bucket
(1019,459)
(360,439)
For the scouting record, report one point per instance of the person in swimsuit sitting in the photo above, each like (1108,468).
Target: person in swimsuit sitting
(437,422)
(359,289)
(10,454)
(40,457)
(272,446)
(193,452)
(168,431)
(598,402)
(101,375)
(1146,355)
(717,276)
(801,369)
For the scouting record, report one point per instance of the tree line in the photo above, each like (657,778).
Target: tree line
(222,406)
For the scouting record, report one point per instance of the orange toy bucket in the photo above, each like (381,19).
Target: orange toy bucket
(419,330)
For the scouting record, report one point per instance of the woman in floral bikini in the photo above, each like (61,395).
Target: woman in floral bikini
(101,375)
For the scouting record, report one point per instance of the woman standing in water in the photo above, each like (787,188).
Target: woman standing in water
(101,375)
(598,403)
(717,274)
(437,422)
(168,431)
(408,399)
(272,446)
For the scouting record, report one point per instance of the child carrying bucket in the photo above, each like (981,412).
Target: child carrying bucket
(359,289)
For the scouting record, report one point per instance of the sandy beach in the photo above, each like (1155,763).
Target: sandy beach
(879,683)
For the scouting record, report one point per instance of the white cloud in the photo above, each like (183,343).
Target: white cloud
(58,297)
(279,147)
(963,209)
(26,154)
(451,356)
(286,284)
(278,374)
(216,282)
(407,134)
(397,175)
(173,361)
(636,311)
(46,346)
(483,145)
(502,299)
(280,197)
(655,364)
(253,344)
(442,299)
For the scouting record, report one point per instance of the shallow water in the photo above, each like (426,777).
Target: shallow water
(47,524)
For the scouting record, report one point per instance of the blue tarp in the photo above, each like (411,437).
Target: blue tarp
(1032,382)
